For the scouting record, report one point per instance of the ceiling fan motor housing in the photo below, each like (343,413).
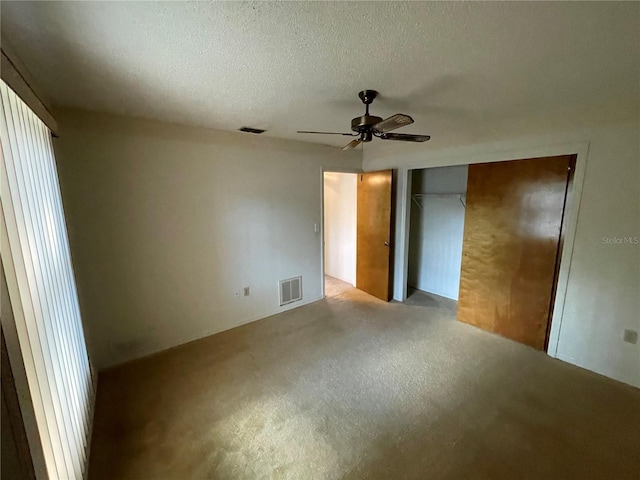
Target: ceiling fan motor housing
(364,126)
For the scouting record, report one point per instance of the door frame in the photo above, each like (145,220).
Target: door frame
(322,172)
(574,197)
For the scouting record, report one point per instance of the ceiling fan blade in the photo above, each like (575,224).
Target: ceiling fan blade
(405,137)
(330,133)
(394,121)
(352,144)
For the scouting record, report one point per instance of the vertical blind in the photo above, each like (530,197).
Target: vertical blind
(44,296)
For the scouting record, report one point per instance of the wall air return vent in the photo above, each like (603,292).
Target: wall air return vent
(290,290)
(257,131)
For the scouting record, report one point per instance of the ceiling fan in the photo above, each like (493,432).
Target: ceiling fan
(368,126)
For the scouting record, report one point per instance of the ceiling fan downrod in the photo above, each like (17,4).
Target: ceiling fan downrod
(364,124)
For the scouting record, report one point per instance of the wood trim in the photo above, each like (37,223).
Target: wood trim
(16,76)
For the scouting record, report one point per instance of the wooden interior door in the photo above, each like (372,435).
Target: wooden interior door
(373,257)
(511,244)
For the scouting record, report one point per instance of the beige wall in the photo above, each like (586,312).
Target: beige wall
(167,223)
(602,279)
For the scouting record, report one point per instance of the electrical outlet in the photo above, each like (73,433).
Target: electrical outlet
(246,291)
(630,336)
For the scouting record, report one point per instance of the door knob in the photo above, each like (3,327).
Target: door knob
(386,244)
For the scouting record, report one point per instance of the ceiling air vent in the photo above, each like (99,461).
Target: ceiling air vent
(257,131)
(290,290)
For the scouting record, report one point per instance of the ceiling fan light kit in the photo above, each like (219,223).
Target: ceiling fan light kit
(368,126)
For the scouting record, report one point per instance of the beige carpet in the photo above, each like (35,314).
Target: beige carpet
(354,388)
(334,286)
(419,298)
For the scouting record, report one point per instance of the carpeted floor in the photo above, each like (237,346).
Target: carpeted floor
(334,286)
(353,388)
(418,298)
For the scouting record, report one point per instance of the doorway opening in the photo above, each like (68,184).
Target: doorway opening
(358,220)
(340,231)
(485,243)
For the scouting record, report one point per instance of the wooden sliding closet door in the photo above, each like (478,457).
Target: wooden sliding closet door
(512,229)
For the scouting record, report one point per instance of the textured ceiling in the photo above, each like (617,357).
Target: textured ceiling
(464,71)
